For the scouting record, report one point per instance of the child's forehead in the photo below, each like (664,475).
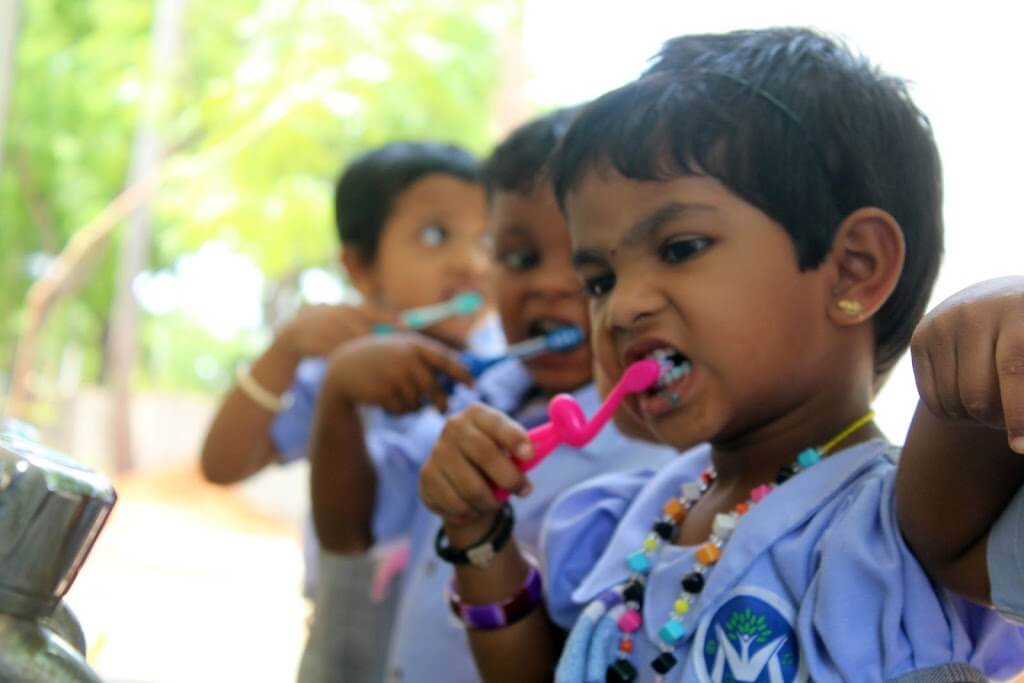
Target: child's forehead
(525,215)
(607,198)
(438,189)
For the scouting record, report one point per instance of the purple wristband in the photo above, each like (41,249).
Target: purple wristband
(498,614)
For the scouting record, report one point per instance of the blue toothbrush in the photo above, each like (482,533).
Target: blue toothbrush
(561,339)
(464,303)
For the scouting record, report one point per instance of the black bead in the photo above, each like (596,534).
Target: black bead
(634,592)
(664,662)
(664,530)
(785,472)
(620,672)
(693,583)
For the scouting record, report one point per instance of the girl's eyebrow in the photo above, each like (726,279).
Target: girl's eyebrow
(514,230)
(587,257)
(641,230)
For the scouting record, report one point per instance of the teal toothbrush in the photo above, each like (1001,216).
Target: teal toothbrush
(463,303)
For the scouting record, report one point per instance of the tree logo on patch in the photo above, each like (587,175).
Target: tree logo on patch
(749,639)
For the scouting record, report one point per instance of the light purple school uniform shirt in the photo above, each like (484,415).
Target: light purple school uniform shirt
(428,644)
(816,583)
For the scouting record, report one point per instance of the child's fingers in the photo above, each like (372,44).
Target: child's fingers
(942,354)
(444,361)
(401,391)
(440,496)
(471,483)
(924,375)
(426,385)
(493,462)
(352,321)
(509,435)
(437,396)
(977,376)
(1010,366)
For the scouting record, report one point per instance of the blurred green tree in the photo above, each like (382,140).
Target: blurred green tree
(270,99)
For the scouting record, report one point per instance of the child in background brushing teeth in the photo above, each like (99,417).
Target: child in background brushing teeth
(410,217)
(762,212)
(365,495)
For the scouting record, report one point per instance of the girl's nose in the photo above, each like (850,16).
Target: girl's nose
(631,300)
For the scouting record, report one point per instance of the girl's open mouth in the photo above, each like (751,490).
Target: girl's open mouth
(673,385)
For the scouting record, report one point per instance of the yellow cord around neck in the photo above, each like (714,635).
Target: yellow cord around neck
(841,436)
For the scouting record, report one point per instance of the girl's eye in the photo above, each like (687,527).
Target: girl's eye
(519,259)
(433,236)
(679,250)
(599,285)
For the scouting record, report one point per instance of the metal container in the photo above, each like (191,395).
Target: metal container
(51,511)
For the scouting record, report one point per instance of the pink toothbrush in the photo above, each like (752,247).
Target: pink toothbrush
(569,425)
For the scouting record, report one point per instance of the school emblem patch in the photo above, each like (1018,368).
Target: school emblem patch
(749,639)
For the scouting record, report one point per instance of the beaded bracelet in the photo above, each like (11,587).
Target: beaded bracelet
(498,614)
(483,551)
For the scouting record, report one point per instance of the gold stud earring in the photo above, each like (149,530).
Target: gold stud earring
(850,307)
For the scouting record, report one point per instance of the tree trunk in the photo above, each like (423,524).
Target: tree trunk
(123,343)
(9,13)
(77,260)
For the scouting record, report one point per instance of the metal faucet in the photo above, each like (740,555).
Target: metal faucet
(51,511)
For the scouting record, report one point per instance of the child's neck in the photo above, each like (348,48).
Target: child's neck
(755,457)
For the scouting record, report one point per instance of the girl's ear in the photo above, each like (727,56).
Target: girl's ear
(867,254)
(359,272)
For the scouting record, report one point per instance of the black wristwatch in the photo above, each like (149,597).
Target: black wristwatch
(483,551)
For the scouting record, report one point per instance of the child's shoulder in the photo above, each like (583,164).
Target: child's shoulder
(592,527)
(588,528)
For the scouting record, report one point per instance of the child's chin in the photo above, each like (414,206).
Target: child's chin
(676,431)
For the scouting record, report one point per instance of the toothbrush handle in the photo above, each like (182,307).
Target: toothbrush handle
(417,319)
(476,365)
(544,440)
(572,424)
(568,425)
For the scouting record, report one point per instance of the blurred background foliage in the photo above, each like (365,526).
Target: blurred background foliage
(260,106)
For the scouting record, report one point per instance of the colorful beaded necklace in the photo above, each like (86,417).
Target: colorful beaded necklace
(640,562)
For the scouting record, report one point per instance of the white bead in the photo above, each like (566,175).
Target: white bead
(691,492)
(723,526)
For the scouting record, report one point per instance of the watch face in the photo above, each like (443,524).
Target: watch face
(481,555)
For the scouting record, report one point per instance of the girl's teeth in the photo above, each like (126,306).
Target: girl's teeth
(673,373)
(670,371)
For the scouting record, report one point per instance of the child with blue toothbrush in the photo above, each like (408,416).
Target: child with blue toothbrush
(411,218)
(763,210)
(374,493)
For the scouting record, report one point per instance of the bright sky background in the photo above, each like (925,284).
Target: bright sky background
(963,59)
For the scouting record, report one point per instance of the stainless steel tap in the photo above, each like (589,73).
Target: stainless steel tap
(51,511)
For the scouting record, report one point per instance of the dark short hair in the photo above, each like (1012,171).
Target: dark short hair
(795,124)
(366,191)
(520,160)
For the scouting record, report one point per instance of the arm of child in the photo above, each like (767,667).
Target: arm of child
(394,372)
(473,451)
(962,461)
(238,443)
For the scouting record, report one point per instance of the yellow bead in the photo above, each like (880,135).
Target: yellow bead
(681,607)
(650,544)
